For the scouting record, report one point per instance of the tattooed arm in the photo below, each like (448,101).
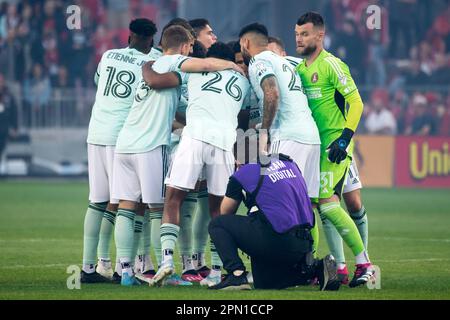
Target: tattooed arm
(271,95)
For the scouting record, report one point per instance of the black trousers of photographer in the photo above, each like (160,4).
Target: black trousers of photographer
(276,259)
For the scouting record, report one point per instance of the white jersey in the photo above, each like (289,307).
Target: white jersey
(149,122)
(294,61)
(215,99)
(293,120)
(117,76)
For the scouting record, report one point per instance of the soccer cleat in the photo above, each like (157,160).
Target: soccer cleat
(93,277)
(232,282)
(175,280)
(105,270)
(147,276)
(129,281)
(363,273)
(116,278)
(211,280)
(343,275)
(191,276)
(165,270)
(204,271)
(327,274)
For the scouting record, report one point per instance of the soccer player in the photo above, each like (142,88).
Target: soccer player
(205,33)
(276,45)
(116,80)
(329,87)
(284,107)
(141,156)
(357,211)
(215,100)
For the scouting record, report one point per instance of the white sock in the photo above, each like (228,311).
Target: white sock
(187,263)
(106,263)
(118,268)
(341,266)
(167,256)
(126,266)
(215,273)
(362,258)
(89,268)
(146,263)
(198,259)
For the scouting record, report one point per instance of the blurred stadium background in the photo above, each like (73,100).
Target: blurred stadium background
(402,70)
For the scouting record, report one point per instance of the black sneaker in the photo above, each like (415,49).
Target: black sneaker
(116,278)
(327,274)
(232,282)
(93,277)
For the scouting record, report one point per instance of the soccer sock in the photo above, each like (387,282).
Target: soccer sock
(215,259)
(186,261)
(118,267)
(185,236)
(200,227)
(143,260)
(106,232)
(92,223)
(124,236)
(169,235)
(216,271)
(155,226)
(315,235)
(361,221)
(137,237)
(198,260)
(344,225)
(334,240)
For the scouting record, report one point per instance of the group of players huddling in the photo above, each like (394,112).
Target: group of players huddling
(163,131)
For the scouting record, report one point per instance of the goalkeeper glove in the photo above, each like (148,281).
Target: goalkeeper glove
(337,150)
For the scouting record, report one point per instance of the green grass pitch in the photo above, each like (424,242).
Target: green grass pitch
(41,230)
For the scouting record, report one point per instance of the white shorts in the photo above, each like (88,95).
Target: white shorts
(194,155)
(140,176)
(307,157)
(100,168)
(353,181)
(173,150)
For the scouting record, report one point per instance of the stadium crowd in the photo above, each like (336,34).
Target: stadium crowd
(403,69)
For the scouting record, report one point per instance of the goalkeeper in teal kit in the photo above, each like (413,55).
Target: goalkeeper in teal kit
(329,87)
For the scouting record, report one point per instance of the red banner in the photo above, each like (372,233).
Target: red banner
(422,162)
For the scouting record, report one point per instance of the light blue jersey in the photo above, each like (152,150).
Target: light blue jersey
(117,77)
(215,99)
(149,122)
(293,120)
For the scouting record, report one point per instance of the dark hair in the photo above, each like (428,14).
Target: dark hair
(278,41)
(198,24)
(235,46)
(143,27)
(221,50)
(174,36)
(199,50)
(313,17)
(255,28)
(179,22)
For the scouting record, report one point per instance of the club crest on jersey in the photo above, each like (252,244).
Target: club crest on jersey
(260,69)
(314,77)
(343,80)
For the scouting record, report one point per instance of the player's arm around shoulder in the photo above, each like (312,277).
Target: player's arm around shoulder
(159,80)
(209,65)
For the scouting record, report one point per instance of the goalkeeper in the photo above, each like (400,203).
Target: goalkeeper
(329,88)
